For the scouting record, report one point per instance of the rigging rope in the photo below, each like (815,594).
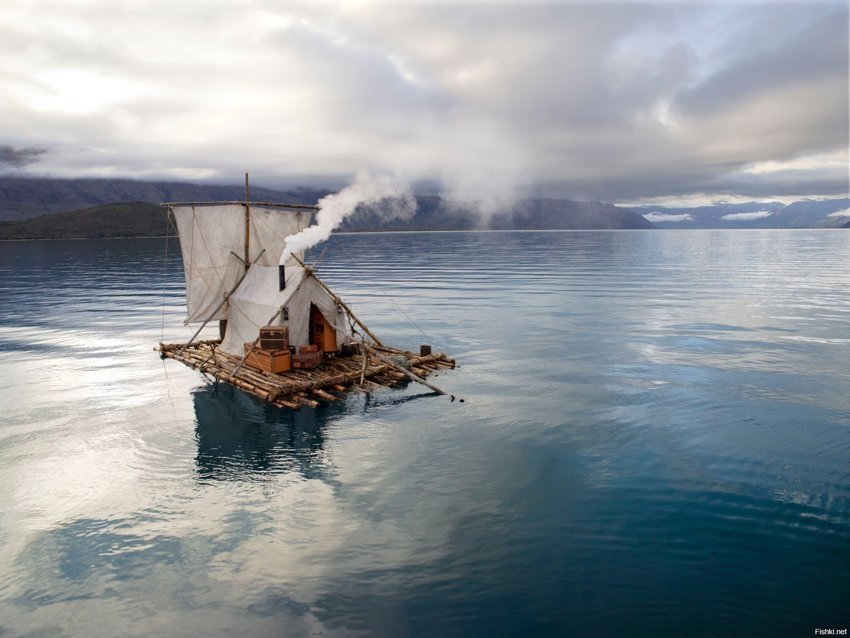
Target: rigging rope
(165,276)
(386,294)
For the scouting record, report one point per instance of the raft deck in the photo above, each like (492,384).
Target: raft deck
(337,373)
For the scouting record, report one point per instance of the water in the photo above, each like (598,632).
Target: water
(655,441)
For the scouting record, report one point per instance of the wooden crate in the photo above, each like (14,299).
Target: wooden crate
(268,360)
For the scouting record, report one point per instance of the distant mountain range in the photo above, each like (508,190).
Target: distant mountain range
(125,208)
(35,208)
(25,197)
(831,213)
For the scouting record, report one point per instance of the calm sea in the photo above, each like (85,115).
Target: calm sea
(655,441)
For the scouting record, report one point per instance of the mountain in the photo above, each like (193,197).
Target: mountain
(133,219)
(800,214)
(812,213)
(847,225)
(124,208)
(25,197)
(433,213)
(141,219)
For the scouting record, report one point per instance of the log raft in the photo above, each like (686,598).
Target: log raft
(360,371)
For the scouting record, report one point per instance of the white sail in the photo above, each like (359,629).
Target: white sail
(212,239)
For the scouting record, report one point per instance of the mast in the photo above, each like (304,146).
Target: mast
(247,225)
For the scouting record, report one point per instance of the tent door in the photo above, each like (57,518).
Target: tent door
(322,333)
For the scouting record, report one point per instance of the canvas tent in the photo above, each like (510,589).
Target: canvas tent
(258,298)
(221,284)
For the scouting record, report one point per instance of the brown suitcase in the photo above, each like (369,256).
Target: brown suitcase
(308,349)
(274,337)
(307,360)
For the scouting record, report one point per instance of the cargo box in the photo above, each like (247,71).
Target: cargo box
(268,360)
(307,360)
(274,337)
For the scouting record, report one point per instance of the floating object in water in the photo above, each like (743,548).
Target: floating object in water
(286,337)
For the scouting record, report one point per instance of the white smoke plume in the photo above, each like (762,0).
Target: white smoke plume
(388,196)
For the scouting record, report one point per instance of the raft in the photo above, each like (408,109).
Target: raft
(369,368)
(240,271)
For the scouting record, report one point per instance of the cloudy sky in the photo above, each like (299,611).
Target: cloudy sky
(625,102)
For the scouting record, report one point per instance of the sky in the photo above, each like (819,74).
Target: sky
(661,102)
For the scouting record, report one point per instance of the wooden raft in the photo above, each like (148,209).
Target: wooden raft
(295,388)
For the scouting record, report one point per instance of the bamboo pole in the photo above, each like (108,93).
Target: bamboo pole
(247,224)
(309,207)
(408,373)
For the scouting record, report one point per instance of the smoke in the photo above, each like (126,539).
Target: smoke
(388,197)
(481,168)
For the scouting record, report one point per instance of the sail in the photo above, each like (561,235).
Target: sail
(212,239)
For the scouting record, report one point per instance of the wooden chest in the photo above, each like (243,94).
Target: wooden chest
(274,337)
(306,360)
(268,360)
(308,349)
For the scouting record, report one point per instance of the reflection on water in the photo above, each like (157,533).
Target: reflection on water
(243,438)
(240,437)
(654,442)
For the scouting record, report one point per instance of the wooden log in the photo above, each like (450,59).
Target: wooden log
(282,403)
(262,384)
(327,396)
(308,402)
(411,375)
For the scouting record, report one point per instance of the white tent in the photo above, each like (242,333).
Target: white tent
(212,238)
(258,299)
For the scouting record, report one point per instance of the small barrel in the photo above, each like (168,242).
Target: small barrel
(424,350)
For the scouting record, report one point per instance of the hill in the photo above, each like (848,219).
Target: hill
(141,219)
(26,197)
(433,213)
(133,219)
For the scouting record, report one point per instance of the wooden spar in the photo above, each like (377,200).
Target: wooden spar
(247,224)
(351,314)
(309,207)
(408,373)
(223,301)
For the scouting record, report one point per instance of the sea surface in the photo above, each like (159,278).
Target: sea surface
(655,441)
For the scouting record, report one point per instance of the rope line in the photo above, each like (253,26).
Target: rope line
(386,294)
(165,277)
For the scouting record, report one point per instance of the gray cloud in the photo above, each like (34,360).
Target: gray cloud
(19,157)
(619,102)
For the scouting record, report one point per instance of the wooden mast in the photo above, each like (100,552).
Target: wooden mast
(247,225)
